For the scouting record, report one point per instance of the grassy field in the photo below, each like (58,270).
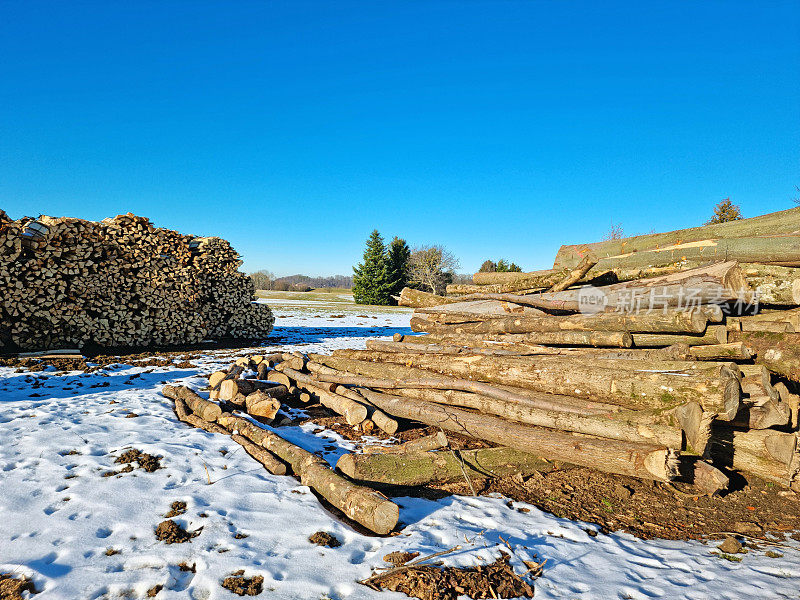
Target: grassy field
(321,302)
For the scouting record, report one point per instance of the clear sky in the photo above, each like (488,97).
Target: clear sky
(496,128)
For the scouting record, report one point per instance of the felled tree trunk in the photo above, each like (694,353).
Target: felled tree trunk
(420,468)
(361,504)
(354,412)
(634,384)
(424,444)
(183,413)
(376,415)
(783,222)
(418,298)
(631,426)
(230,388)
(731,351)
(646,461)
(779,352)
(656,322)
(271,464)
(714,334)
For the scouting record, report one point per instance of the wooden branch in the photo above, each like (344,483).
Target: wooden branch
(204,409)
(587,262)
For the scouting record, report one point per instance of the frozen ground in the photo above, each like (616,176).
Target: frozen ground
(59,515)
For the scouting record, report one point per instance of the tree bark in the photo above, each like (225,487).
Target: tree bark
(182,411)
(779,352)
(376,415)
(656,322)
(732,351)
(230,388)
(628,426)
(417,298)
(390,376)
(271,464)
(424,444)
(714,334)
(633,384)
(361,504)
(420,468)
(204,409)
(646,461)
(783,222)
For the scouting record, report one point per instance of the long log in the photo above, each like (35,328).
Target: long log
(655,322)
(417,298)
(204,409)
(185,415)
(270,462)
(390,376)
(646,461)
(423,444)
(731,351)
(361,504)
(633,384)
(779,352)
(420,468)
(714,334)
(230,388)
(630,426)
(783,222)
(529,343)
(774,250)
(376,415)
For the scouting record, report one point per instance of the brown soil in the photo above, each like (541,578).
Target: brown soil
(322,538)
(148,462)
(153,591)
(170,532)
(495,580)
(648,509)
(243,586)
(11,587)
(176,508)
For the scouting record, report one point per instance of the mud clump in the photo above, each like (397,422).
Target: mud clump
(170,532)
(153,591)
(148,462)
(177,508)
(495,580)
(243,586)
(322,538)
(11,587)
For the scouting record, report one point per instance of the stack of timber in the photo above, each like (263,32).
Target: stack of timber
(688,341)
(70,283)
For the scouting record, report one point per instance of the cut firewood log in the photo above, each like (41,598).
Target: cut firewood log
(708,479)
(361,504)
(714,334)
(416,298)
(230,388)
(354,412)
(763,415)
(769,454)
(583,267)
(261,404)
(633,384)
(420,468)
(792,401)
(696,426)
(204,409)
(423,444)
(655,322)
(270,462)
(648,461)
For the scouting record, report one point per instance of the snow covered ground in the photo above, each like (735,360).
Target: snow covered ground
(61,521)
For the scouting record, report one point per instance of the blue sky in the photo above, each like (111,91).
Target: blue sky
(499,129)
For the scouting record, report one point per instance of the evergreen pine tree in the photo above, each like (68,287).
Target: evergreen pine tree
(399,270)
(371,284)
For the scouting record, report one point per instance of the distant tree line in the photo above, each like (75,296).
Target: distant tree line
(266,280)
(501,266)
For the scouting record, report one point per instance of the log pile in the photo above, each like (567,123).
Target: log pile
(684,342)
(70,283)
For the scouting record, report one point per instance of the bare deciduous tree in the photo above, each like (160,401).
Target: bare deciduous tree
(433,267)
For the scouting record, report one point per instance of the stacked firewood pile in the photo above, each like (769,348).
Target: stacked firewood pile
(70,283)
